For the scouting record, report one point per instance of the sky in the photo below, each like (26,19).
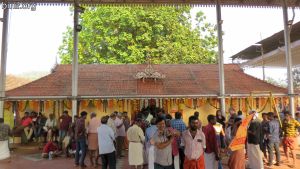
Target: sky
(35,36)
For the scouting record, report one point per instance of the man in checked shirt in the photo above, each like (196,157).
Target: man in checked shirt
(180,126)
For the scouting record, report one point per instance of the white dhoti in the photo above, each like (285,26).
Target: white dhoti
(176,162)
(135,153)
(254,157)
(151,157)
(210,161)
(4,150)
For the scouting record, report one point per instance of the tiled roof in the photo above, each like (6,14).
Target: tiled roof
(118,80)
(15,81)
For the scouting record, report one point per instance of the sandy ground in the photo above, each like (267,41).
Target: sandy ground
(20,160)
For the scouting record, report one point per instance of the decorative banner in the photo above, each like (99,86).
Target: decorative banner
(34,106)
(84,104)
(239,140)
(120,105)
(181,107)
(189,103)
(214,104)
(67,104)
(165,105)
(7,105)
(244,105)
(235,103)
(49,105)
(22,105)
(248,104)
(227,102)
(201,102)
(98,104)
(124,105)
(110,104)
(262,102)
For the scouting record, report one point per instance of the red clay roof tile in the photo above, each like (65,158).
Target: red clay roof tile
(117,80)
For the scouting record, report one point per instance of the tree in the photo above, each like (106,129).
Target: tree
(277,82)
(115,35)
(296,77)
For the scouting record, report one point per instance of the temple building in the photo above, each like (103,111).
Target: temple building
(130,87)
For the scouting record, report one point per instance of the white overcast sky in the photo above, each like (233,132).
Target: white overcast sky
(34,36)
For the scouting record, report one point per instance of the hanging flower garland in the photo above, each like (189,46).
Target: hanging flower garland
(67,104)
(84,104)
(209,102)
(98,104)
(235,104)
(110,103)
(266,103)
(244,105)
(21,105)
(25,107)
(247,104)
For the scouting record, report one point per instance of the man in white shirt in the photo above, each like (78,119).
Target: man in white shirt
(120,137)
(106,139)
(194,143)
(136,139)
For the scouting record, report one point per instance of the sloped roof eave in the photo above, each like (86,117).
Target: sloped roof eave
(227,3)
(12,98)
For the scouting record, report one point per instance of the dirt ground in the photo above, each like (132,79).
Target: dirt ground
(27,157)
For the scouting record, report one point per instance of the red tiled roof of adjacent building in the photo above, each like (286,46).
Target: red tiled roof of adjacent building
(13,81)
(102,81)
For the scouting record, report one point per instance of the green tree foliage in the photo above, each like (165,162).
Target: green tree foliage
(277,82)
(115,35)
(296,77)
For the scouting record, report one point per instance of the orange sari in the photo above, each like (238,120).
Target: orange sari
(237,159)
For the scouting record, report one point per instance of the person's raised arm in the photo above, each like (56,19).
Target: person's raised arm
(163,145)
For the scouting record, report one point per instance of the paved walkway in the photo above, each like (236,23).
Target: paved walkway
(28,157)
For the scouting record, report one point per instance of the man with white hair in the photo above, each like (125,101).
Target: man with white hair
(136,139)
(111,122)
(254,139)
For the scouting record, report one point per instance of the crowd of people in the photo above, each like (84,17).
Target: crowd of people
(160,141)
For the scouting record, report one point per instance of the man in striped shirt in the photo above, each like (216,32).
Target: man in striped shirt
(290,127)
(179,125)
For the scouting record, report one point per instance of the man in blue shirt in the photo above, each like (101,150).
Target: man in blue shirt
(273,139)
(179,125)
(106,141)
